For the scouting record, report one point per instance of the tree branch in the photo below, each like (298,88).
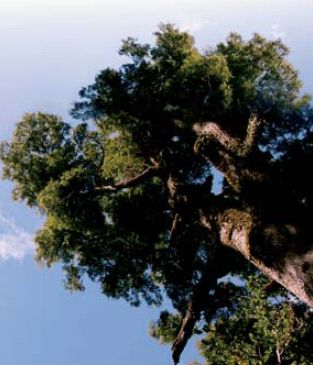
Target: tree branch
(175,227)
(227,153)
(240,148)
(129,183)
(196,305)
(186,331)
(280,251)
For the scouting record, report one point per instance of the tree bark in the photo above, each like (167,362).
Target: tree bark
(186,331)
(280,248)
(276,250)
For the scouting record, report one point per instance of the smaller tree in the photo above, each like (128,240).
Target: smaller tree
(260,329)
(260,324)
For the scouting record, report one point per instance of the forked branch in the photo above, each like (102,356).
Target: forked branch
(227,153)
(236,146)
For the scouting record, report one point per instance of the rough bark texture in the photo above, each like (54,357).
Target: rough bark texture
(277,242)
(275,250)
(282,250)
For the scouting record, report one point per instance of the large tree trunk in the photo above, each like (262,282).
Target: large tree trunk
(279,247)
(276,250)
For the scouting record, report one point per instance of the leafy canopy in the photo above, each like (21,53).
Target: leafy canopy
(114,194)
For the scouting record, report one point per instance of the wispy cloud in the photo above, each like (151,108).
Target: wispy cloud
(15,242)
(276,32)
(193,25)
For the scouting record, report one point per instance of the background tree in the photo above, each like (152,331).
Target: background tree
(260,328)
(129,202)
(260,324)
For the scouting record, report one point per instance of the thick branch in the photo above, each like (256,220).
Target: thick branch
(277,250)
(281,251)
(196,305)
(240,148)
(229,154)
(186,331)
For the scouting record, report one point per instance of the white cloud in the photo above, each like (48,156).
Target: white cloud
(193,25)
(277,33)
(15,242)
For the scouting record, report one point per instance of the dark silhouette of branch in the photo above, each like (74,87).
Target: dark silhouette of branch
(197,303)
(186,331)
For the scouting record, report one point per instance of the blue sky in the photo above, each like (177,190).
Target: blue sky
(49,50)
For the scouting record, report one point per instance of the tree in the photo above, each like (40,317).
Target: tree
(260,330)
(129,202)
(260,324)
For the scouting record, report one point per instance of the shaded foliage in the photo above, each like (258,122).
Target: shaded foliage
(124,200)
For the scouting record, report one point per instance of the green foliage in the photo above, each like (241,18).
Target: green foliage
(43,149)
(143,113)
(254,323)
(122,158)
(264,79)
(40,142)
(166,327)
(260,329)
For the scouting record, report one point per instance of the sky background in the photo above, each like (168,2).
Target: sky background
(49,50)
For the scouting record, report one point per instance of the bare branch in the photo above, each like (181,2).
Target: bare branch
(278,354)
(175,227)
(226,152)
(197,303)
(134,181)
(251,138)
(186,331)
(240,148)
